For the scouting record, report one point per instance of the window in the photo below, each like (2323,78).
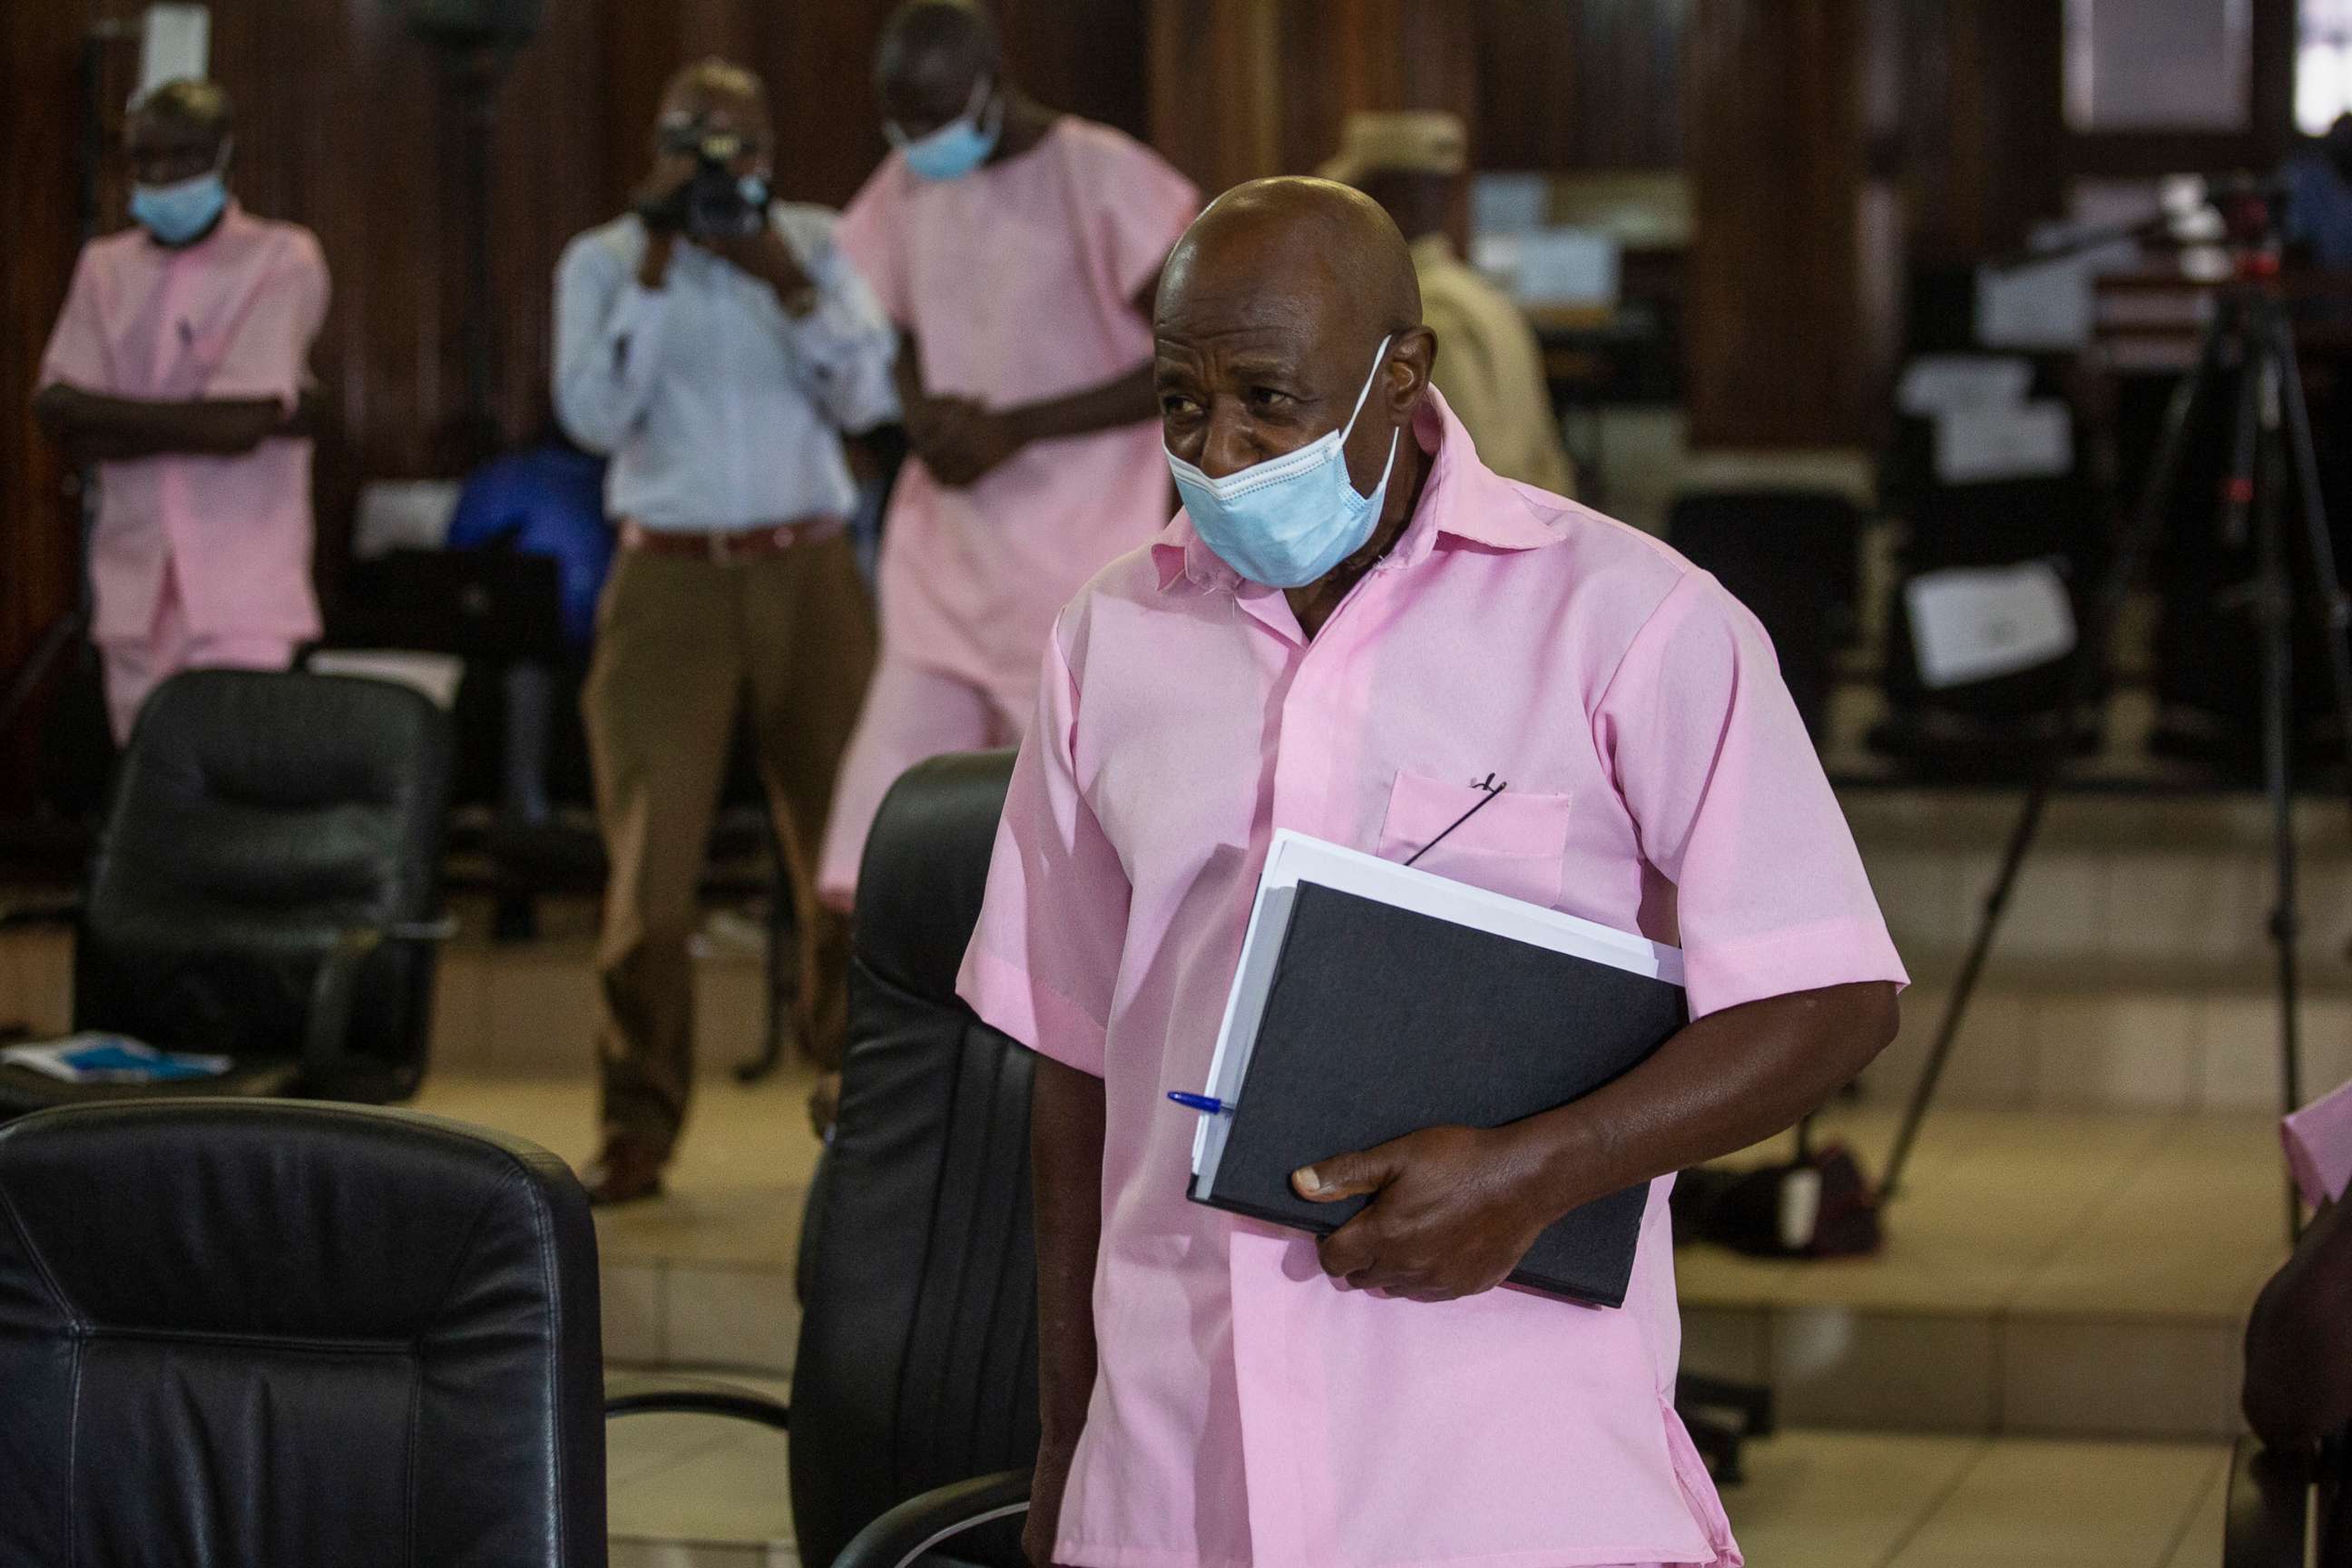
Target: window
(2323,63)
(2160,65)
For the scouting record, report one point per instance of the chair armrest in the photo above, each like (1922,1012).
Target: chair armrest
(916,1525)
(2269,1500)
(40,913)
(671,1395)
(334,990)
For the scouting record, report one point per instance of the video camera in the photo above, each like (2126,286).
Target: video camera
(715,202)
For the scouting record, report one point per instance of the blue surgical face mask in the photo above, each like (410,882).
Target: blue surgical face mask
(959,146)
(1289,519)
(177,213)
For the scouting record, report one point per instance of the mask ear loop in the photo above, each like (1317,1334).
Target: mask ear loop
(1379,358)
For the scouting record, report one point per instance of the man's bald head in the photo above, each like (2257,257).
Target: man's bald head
(178,129)
(1273,311)
(933,54)
(1310,239)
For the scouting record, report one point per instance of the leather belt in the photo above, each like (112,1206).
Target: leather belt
(729,546)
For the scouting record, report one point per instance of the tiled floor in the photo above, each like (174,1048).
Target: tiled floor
(689,1493)
(2060,1274)
(2043,1273)
(702,1275)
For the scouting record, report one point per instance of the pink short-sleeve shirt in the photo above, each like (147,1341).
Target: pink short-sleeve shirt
(232,316)
(1246,1409)
(1018,283)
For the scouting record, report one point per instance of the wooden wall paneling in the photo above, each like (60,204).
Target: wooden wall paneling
(1215,93)
(1084,56)
(1775,140)
(1243,88)
(1578,84)
(549,183)
(40,61)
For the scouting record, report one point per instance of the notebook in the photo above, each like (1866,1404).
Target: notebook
(1374,999)
(111,1058)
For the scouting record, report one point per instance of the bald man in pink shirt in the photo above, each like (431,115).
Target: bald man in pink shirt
(1016,248)
(177,367)
(1353,622)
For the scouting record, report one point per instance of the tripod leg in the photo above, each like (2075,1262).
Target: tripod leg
(2274,619)
(2319,541)
(2091,657)
(2327,582)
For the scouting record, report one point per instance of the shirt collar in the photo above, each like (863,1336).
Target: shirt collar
(1463,500)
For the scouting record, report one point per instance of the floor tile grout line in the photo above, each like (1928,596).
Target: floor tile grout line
(2086,1217)
(2197,1505)
(1978,1450)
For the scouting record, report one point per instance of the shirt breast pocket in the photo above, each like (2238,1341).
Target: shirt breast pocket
(1514,844)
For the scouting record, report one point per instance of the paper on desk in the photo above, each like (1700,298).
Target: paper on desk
(92,1057)
(1939,383)
(434,674)
(1974,623)
(2031,441)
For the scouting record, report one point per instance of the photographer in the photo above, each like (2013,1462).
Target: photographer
(717,345)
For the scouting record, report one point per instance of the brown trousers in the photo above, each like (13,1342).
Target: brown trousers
(681,644)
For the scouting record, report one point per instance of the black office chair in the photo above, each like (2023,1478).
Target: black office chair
(916,1377)
(1793,558)
(2270,1505)
(265,886)
(239,1333)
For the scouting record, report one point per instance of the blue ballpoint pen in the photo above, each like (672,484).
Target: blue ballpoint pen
(1206,1104)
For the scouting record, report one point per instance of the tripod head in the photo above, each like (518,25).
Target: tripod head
(2244,212)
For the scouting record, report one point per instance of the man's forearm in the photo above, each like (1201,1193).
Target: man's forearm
(1128,399)
(99,427)
(1066,1162)
(1721,1084)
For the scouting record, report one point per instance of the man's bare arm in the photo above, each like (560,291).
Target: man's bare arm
(1128,398)
(963,440)
(1066,1137)
(1458,1207)
(96,427)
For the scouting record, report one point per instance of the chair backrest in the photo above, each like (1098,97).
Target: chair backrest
(268,1334)
(258,817)
(917,1349)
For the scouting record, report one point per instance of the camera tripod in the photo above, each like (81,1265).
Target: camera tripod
(2250,331)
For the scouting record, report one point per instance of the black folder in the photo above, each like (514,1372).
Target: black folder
(1381,1021)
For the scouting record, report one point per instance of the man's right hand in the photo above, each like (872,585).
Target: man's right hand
(669,175)
(1037,1534)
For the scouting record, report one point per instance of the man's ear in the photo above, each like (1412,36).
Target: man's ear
(1416,351)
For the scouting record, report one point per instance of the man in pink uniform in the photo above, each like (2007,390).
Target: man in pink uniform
(1016,249)
(1217,1391)
(177,367)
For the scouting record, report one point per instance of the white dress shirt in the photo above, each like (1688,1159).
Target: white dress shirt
(720,410)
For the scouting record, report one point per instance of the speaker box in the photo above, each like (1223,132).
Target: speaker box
(472,21)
